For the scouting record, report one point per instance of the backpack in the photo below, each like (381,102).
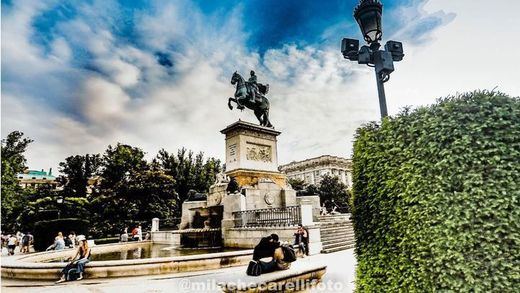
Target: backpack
(254,268)
(71,272)
(289,255)
(26,239)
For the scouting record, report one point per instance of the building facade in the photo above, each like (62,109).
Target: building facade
(34,179)
(311,171)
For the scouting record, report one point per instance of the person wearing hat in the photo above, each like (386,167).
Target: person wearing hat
(84,257)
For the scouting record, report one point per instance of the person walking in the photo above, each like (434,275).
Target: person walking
(139,233)
(19,236)
(27,240)
(135,231)
(83,255)
(12,242)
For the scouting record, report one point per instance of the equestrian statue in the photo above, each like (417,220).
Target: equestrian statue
(251,94)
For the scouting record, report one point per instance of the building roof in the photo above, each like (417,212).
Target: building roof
(36,175)
(325,160)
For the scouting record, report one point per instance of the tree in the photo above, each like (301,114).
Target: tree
(297,184)
(112,205)
(332,189)
(312,189)
(41,206)
(13,162)
(190,173)
(118,162)
(143,195)
(77,171)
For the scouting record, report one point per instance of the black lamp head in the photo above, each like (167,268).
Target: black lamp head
(368,14)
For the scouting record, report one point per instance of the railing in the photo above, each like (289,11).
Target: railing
(287,216)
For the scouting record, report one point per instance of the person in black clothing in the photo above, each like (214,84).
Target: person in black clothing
(266,247)
(301,238)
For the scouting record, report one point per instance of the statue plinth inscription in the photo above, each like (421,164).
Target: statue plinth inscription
(251,148)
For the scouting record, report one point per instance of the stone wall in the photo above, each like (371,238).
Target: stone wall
(250,237)
(28,267)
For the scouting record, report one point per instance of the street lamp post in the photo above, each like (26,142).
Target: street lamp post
(59,201)
(368,15)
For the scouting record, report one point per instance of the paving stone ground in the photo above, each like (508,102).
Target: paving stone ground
(339,278)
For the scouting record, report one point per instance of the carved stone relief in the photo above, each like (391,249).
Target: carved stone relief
(258,152)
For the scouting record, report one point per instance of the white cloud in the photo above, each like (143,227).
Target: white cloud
(318,99)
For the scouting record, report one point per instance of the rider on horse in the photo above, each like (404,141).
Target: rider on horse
(254,87)
(250,94)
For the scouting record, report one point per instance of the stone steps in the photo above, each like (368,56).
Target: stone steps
(334,225)
(338,240)
(343,235)
(339,244)
(334,217)
(339,248)
(324,220)
(336,230)
(337,233)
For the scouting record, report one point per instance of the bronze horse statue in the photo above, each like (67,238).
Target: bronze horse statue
(243,98)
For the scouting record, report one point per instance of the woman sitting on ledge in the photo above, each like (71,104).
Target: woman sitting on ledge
(77,266)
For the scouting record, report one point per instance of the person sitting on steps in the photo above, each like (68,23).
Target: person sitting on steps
(301,239)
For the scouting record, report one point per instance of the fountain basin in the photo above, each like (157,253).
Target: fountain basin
(37,267)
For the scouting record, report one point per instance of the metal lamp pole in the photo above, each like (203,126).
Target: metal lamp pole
(368,15)
(59,201)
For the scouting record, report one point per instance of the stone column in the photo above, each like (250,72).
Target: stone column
(232,203)
(315,244)
(306,213)
(155,224)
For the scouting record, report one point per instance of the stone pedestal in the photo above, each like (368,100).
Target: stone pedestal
(251,154)
(155,225)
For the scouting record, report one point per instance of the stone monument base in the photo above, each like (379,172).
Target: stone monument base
(246,177)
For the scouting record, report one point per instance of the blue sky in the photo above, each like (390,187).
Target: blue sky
(80,75)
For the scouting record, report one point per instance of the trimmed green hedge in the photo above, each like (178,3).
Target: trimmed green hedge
(437,197)
(46,231)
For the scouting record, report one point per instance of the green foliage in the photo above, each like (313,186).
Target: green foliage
(77,170)
(190,172)
(297,184)
(332,189)
(137,199)
(14,198)
(42,206)
(312,189)
(131,191)
(437,198)
(118,162)
(46,231)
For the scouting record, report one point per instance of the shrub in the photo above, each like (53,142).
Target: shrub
(46,231)
(437,197)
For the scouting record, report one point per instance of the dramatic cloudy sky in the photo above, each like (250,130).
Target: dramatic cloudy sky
(80,75)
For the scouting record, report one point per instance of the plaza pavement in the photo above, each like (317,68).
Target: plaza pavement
(339,278)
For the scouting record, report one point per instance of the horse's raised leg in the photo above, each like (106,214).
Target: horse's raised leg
(229,103)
